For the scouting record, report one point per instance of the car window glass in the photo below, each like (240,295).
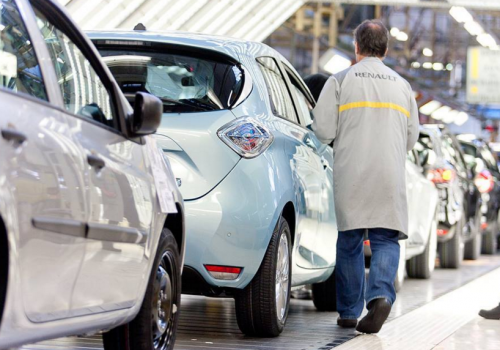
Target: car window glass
(19,67)
(277,88)
(82,90)
(425,150)
(489,159)
(184,82)
(304,106)
(469,153)
(452,155)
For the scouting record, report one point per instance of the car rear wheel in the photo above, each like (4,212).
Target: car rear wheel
(154,327)
(400,276)
(324,294)
(473,247)
(262,307)
(422,266)
(451,252)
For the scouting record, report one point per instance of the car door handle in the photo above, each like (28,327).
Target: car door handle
(96,161)
(14,135)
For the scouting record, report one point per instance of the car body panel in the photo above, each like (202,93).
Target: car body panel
(232,224)
(420,217)
(490,201)
(198,157)
(451,203)
(43,189)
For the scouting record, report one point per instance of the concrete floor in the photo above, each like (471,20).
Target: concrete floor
(208,323)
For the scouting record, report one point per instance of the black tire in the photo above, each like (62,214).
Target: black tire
(451,251)
(139,334)
(324,294)
(422,266)
(256,305)
(472,249)
(490,242)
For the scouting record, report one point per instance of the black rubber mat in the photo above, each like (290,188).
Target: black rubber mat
(208,323)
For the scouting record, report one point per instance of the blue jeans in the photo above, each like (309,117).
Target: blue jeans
(350,270)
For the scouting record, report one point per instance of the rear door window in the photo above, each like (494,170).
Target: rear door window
(304,106)
(453,155)
(281,100)
(19,66)
(184,82)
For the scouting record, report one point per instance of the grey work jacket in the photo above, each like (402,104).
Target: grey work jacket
(370,113)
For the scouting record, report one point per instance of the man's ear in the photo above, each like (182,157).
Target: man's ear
(386,51)
(356,48)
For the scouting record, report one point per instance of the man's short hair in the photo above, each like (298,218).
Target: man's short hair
(372,38)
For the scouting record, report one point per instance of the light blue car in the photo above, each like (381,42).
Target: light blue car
(257,183)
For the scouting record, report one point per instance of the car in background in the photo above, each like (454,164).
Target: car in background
(85,245)
(459,214)
(257,183)
(419,250)
(480,160)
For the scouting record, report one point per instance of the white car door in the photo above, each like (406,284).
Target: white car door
(43,173)
(418,193)
(118,184)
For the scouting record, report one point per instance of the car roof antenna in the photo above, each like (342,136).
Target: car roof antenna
(140,26)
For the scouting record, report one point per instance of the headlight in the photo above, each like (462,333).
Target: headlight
(246,136)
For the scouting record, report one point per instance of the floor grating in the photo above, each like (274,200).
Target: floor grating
(209,323)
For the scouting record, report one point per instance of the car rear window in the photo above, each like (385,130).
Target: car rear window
(184,82)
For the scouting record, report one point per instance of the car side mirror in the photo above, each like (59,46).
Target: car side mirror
(148,110)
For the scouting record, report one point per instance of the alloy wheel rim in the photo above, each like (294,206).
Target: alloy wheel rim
(163,304)
(282,277)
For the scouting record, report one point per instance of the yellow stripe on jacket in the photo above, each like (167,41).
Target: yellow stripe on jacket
(367,104)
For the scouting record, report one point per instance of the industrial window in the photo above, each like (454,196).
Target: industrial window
(82,90)
(282,104)
(19,67)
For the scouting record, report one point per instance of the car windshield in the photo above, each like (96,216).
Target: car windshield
(184,83)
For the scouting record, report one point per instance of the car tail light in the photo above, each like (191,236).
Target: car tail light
(484,181)
(440,176)
(246,136)
(442,232)
(223,272)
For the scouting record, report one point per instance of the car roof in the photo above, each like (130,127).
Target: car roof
(236,48)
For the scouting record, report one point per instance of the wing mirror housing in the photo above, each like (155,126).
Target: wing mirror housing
(146,119)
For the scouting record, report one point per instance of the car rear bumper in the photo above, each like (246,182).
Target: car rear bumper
(232,225)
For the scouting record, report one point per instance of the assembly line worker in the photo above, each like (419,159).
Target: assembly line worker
(370,114)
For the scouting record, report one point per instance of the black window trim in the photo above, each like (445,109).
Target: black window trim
(55,15)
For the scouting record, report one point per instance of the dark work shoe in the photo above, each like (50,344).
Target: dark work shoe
(379,310)
(493,314)
(347,322)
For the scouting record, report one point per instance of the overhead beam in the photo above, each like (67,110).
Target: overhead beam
(477,4)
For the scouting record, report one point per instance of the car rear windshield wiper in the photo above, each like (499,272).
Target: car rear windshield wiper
(188,102)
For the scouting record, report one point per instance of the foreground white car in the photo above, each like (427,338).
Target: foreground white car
(419,250)
(85,245)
